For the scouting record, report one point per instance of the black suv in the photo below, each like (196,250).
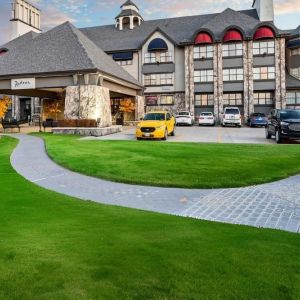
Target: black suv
(283,124)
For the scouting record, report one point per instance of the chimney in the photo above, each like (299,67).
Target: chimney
(265,10)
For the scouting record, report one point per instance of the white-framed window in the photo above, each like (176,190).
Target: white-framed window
(293,98)
(295,51)
(264,73)
(203,52)
(295,72)
(124,62)
(232,49)
(150,57)
(263,47)
(204,76)
(204,100)
(166,57)
(150,79)
(234,74)
(166,99)
(264,98)
(166,79)
(233,99)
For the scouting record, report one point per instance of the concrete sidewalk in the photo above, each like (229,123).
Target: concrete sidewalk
(275,205)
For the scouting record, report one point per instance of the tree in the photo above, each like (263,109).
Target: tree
(127,106)
(54,108)
(4,105)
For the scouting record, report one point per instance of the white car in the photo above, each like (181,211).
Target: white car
(232,116)
(184,118)
(207,118)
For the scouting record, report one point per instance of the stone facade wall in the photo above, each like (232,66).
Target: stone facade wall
(189,79)
(218,80)
(139,107)
(280,90)
(88,102)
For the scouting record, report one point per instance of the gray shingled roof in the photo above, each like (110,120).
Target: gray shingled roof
(128,12)
(292,82)
(179,30)
(62,49)
(129,2)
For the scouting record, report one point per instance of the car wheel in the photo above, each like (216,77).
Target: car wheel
(278,137)
(268,134)
(251,125)
(173,132)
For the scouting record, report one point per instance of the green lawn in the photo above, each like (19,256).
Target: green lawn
(188,165)
(57,247)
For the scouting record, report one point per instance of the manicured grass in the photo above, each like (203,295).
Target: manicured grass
(56,247)
(186,165)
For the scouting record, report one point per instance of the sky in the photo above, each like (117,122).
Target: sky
(86,13)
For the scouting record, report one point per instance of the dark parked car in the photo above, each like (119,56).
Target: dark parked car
(283,124)
(257,119)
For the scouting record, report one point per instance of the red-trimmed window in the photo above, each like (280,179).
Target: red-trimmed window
(203,38)
(3,51)
(264,33)
(232,35)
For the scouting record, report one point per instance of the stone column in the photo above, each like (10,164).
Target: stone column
(16,107)
(189,79)
(139,107)
(88,102)
(131,22)
(218,81)
(280,90)
(282,71)
(121,23)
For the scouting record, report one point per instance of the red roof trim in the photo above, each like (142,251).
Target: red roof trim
(264,33)
(232,35)
(203,38)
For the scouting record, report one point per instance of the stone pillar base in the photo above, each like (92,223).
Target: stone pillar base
(88,102)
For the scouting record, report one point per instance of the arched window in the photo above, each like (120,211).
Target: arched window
(3,51)
(157,45)
(264,33)
(203,38)
(232,36)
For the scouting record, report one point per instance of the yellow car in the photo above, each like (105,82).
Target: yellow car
(156,125)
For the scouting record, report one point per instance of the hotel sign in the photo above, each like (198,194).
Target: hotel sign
(23,84)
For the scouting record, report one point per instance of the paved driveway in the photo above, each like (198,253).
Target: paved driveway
(205,134)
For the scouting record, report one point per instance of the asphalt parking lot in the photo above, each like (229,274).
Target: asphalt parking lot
(244,135)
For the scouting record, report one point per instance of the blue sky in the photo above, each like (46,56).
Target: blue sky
(85,13)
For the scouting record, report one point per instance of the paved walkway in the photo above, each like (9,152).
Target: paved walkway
(275,205)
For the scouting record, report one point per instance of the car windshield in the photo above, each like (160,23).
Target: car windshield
(206,114)
(258,115)
(232,111)
(290,114)
(154,117)
(183,113)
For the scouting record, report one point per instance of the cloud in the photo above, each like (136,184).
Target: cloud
(287,7)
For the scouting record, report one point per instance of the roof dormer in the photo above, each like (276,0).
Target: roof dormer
(129,17)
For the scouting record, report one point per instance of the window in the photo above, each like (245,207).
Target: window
(295,72)
(124,62)
(166,79)
(264,98)
(150,58)
(295,51)
(235,99)
(264,73)
(204,100)
(165,57)
(232,49)
(150,80)
(154,57)
(293,98)
(166,100)
(266,47)
(204,76)
(203,52)
(158,79)
(233,74)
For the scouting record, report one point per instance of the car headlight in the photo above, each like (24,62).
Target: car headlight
(284,124)
(160,127)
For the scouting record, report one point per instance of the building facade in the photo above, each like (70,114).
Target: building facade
(205,62)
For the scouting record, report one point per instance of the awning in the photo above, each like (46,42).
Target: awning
(232,35)
(123,56)
(203,38)
(293,44)
(157,45)
(264,33)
